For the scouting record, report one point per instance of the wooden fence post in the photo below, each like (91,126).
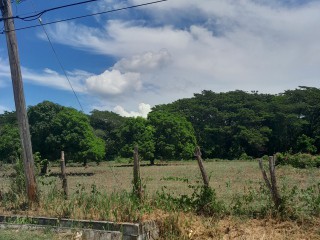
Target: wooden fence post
(272,183)
(200,163)
(136,174)
(64,175)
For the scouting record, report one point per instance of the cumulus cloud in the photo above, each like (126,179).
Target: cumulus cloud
(260,45)
(113,82)
(143,111)
(109,83)
(146,62)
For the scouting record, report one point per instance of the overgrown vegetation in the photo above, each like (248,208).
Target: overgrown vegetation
(253,201)
(228,125)
(298,160)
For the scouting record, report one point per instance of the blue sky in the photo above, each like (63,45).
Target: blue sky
(131,60)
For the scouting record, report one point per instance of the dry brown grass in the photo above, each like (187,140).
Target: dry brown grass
(227,178)
(190,226)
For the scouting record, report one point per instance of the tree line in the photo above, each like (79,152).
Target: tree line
(229,125)
(237,123)
(99,136)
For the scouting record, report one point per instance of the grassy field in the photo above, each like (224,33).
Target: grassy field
(227,177)
(236,183)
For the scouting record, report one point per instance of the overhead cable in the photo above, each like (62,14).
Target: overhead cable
(60,63)
(39,14)
(87,15)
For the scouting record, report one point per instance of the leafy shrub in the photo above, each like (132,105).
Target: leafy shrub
(253,202)
(15,198)
(305,144)
(245,157)
(299,160)
(203,201)
(41,164)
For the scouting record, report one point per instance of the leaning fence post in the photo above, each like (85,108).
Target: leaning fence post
(136,174)
(200,163)
(64,175)
(272,183)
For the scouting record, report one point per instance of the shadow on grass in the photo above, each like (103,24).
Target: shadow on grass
(87,174)
(142,165)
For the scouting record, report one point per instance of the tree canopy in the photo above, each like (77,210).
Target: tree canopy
(230,124)
(137,132)
(224,125)
(55,128)
(174,136)
(106,126)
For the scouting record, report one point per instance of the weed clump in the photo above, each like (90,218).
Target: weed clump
(15,198)
(203,201)
(299,160)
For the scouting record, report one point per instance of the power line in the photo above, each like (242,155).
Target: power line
(39,14)
(87,15)
(56,55)
(57,58)
(60,63)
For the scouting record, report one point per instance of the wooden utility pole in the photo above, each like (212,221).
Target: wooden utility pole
(19,99)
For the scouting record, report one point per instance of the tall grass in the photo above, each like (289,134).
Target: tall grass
(301,203)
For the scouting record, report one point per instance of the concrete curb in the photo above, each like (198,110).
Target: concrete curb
(79,234)
(129,231)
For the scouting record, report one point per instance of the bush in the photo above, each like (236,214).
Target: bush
(305,144)
(245,157)
(203,201)
(299,160)
(41,164)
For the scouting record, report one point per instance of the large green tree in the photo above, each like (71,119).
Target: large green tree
(41,117)
(174,136)
(229,124)
(55,128)
(106,126)
(8,118)
(10,146)
(225,125)
(71,132)
(137,131)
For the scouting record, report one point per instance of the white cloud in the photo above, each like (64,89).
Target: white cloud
(143,111)
(51,78)
(4,73)
(46,77)
(114,82)
(146,62)
(3,109)
(218,45)
(109,83)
